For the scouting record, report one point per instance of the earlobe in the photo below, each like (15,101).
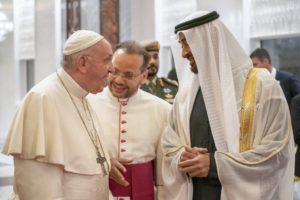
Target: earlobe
(145,76)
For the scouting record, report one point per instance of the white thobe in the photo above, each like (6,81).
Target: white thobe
(53,153)
(263,172)
(133,127)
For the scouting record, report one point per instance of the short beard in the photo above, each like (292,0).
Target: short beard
(194,69)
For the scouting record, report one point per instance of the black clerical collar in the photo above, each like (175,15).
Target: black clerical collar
(197,21)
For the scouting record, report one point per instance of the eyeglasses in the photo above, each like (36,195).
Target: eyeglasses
(126,75)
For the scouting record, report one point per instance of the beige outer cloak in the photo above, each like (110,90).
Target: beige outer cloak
(138,139)
(247,175)
(51,147)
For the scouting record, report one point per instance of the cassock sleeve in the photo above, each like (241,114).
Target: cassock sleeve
(35,180)
(159,182)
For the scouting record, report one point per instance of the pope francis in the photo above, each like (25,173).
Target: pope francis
(55,137)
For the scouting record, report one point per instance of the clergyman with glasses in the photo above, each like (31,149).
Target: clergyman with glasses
(133,121)
(55,137)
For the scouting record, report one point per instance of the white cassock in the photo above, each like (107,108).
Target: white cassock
(53,153)
(133,127)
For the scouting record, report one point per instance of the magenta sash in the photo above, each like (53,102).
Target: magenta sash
(140,177)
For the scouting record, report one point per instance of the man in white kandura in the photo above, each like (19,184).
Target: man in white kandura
(133,122)
(230,133)
(55,138)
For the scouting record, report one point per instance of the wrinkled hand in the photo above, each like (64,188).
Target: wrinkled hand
(195,162)
(117,170)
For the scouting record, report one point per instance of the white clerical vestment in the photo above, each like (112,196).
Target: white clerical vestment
(263,172)
(133,127)
(53,153)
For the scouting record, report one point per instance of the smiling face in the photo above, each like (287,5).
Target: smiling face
(187,53)
(153,65)
(127,77)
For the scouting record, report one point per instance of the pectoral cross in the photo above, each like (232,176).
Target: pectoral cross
(101,160)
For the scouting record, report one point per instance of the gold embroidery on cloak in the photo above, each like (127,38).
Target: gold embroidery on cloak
(248,108)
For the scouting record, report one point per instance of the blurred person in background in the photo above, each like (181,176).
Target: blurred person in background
(289,83)
(159,86)
(295,113)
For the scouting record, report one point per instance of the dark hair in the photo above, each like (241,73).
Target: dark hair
(261,53)
(133,47)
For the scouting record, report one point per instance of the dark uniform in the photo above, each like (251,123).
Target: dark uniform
(163,87)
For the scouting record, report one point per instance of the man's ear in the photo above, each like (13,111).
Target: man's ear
(145,76)
(82,63)
(265,62)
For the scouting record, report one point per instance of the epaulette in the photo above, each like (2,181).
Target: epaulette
(172,82)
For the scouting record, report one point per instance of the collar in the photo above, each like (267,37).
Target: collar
(274,72)
(133,98)
(153,81)
(71,85)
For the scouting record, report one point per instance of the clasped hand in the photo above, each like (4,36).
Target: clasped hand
(194,162)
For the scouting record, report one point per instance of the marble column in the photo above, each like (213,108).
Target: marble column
(109,17)
(73,16)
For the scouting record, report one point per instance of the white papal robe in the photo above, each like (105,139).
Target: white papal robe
(133,127)
(53,153)
(263,172)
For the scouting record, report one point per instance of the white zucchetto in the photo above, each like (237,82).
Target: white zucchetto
(81,40)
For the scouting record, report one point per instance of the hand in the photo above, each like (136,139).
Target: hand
(117,170)
(194,162)
(191,153)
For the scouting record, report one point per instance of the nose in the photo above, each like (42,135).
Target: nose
(119,80)
(151,60)
(111,68)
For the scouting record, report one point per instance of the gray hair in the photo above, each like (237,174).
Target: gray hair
(68,60)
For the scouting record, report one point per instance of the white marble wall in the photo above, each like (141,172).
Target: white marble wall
(48,38)
(231,13)
(90,15)
(137,20)
(167,17)
(8,82)
(125,32)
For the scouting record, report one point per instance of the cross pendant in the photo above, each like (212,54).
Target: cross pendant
(101,160)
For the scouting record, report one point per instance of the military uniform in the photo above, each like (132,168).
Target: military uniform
(162,87)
